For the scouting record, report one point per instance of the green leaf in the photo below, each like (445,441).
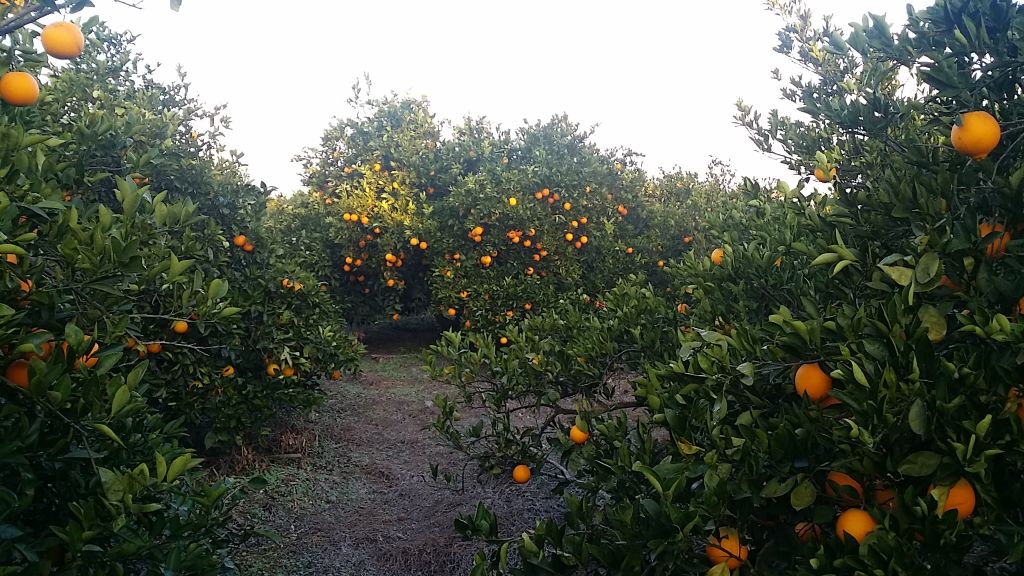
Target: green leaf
(121,398)
(826,258)
(229,311)
(108,432)
(652,477)
(918,417)
(161,467)
(135,376)
(858,374)
(776,489)
(899,274)
(178,466)
(922,463)
(112,485)
(934,322)
(803,495)
(927,268)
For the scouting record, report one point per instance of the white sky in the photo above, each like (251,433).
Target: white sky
(658,76)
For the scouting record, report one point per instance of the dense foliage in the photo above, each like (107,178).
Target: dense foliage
(136,324)
(900,280)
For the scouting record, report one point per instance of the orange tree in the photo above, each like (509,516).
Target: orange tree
(483,226)
(133,326)
(840,393)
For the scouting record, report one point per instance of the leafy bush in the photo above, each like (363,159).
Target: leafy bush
(901,280)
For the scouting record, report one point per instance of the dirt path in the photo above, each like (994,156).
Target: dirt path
(351,493)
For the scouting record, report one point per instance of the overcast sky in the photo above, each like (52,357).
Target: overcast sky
(660,77)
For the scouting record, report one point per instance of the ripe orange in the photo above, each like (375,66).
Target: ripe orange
(414,241)
(661,263)
(521,474)
(19,88)
(577,435)
(688,239)
(25,285)
(485,260)
(179,327)
(527,306)
(11,259)
(63,40)
(567,206)
(336,375)
(856,524)
(846,484)
(975,134)
(512,202)
(452,312)
(813,382)
(961,497)
(423,245)
(578,245)
(503,341)
(629,250)
(569,236)
(17,373)
(997,248)
(248,247)
(682,308)
(726,547)
(273,370)
(395,316)
(240,241)
(227,371)
(584,239)
(807,530)
(288,371)
(717,255)
(154,348)
(884,497)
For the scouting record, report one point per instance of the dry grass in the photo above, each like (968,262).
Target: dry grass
(350,490)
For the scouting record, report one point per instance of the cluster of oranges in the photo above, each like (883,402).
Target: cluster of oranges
(417,243)
(289,284)
(354,218)
(61,40)
(240,241)
(17,372)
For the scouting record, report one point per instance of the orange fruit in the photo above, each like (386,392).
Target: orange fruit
(884,497)
(395,316)
(813,382)
(975,134)
(823,177)
(154,348)
(227,371)
(248,247)
(661,263)
(25,285)
(717,255)
(521,474)
(569,236)
(577,435)
(726,547)
(336,375)
(423,245)
(288,371)
(11,259)
(273,370)
(452,312)
(527,306)
(17,373)
(629,250)
(807,530)
(19,88)
(688,239)
(584,239)
(844,481)
(503,341)
(567,206)
(856,524)
(1016,402)
(512,202)
(63,40)
(240,240)
(179,327)
(682,308)
(997,248)
(961,497)
(485,260)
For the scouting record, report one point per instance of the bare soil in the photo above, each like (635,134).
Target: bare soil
(350,491)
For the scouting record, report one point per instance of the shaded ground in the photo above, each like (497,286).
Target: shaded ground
(350,490)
